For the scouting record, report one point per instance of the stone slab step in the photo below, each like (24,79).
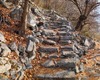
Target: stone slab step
(68,63)
(66,48)
(63,75)
(48,49)
(54,38)
(68,54)
(49,42)
(48,32)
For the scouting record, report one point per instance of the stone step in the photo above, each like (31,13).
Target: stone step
(68,54)
(49,42)
(62,75)
(66,48)
(62,33)
(66,37)
(64,42)
(48,49)
(54,38)
(49,64)
(70,63)
(48,32)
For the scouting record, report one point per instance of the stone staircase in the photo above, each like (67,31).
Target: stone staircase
(63,48)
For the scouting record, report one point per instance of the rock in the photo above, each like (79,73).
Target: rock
(5,49)
(66,48)
(53,56)
(65,42)
(31,55)
(61,33)
(68,63)
(49,42)
(81,67)
(66,38)
(48,32)
(63,75)
(33,38)
(2,38)
(29,47)
(78,49)
(68,54)
(54,38)
(13,46)
(77,69)
(66,74)
(49,63)
(21,50)
(5,65)
(89,43)
(48,50)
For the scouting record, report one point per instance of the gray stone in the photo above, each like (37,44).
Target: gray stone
(54,38)
(66,38)
(62,33)
(48,32)
(49,42)
(48,49)
(65,42)
(63,75)
(21,50)
(68,63)
(77,69)
(29,47)
(82,67)
(68,54)
(13,46)
(89,43)
(66,48)
(5,49)
(33,38)
(2,38)
(38,33)
(49,63)
(53,56)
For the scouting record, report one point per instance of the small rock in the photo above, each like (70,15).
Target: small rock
(21,50)
(13,46)
(81,67)
(29,47)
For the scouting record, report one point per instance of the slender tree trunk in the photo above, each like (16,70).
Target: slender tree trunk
(79,25)
(24,17)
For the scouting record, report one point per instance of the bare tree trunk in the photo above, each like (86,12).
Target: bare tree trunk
(24,17)
(79,25)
